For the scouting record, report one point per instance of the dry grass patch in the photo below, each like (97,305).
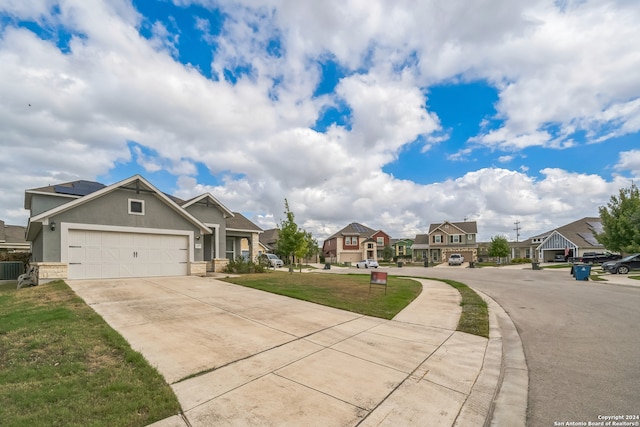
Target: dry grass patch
(61,364)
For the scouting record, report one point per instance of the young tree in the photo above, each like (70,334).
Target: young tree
(288,234)
(294,241)
(312,245)
(621,221)
(387,253)
(499,247)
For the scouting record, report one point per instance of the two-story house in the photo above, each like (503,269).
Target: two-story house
(453,237)
(355,242)
(402,248)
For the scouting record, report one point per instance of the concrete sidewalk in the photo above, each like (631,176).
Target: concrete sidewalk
(272,360)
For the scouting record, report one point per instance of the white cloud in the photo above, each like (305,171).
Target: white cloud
(573,68)
(630,161)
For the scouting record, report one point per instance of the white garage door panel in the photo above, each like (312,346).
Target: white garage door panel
(104,254)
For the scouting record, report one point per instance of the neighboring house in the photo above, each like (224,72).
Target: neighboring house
(85,230)
(453,237)
(577,238)
(355,242)
(269,240)
(241,231)
(420,248)
(402,248)
(12,238)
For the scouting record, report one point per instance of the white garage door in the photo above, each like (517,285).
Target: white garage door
(106,254)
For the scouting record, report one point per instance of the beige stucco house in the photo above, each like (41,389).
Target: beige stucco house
(445,239)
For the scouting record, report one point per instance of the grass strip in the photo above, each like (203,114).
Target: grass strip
(62,365)
(351,292)
(344,291)
(475,314)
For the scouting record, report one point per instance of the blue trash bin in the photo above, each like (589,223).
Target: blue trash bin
(582,272)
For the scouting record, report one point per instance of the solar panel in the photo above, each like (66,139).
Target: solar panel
(590,238)
(359,228)
(596,226)
(79,188)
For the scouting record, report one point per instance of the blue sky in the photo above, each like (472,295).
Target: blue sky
(396,115)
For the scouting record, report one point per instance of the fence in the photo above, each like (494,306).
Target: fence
(10,270)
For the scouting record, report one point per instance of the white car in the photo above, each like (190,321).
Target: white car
(366,263)
(274,261)
(456,259)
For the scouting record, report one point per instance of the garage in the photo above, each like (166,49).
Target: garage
(95,254)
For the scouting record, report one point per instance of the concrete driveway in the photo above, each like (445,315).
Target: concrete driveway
(255,358)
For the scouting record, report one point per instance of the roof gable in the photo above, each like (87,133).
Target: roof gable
(70,190)
(355,229)
(207,199)
(465,227)
(137,183)
(239,222)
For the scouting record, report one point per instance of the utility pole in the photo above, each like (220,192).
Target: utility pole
(517,223)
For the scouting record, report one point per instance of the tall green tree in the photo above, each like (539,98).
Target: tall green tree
(621,221)
(499,247)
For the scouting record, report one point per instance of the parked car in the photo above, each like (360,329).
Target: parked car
(456,259)
(558,258)
(273,260)
(622,266)
(366,263)
(597,257)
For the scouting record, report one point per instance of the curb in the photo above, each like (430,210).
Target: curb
(509,405)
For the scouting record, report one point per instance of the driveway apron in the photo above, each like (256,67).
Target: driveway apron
(239,356)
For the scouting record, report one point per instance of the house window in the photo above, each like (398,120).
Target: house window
(437,238)
(380,241)
(136,207)
(231,246)
(369,245)
(351,241)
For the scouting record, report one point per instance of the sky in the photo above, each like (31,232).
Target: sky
(395,115)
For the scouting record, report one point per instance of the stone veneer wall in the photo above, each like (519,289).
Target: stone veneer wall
(219,264)
(51,270)
(198,268)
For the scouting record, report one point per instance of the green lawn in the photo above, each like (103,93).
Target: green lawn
(351,292)
(62,365)
(475,313)
(345,291)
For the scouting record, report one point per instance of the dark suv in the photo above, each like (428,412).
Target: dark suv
(623,266)
(598,257)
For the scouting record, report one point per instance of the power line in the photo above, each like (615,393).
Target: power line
(517,223)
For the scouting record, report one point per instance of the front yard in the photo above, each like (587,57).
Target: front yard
(62,365)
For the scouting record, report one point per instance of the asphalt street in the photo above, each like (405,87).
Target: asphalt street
(581,339)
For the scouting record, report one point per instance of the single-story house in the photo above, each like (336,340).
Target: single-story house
(88,230)
(420,248)
(355,242)
(269,240)
(12,238)
(576,238)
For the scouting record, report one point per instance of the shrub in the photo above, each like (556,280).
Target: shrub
(243,266)
(521,261)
